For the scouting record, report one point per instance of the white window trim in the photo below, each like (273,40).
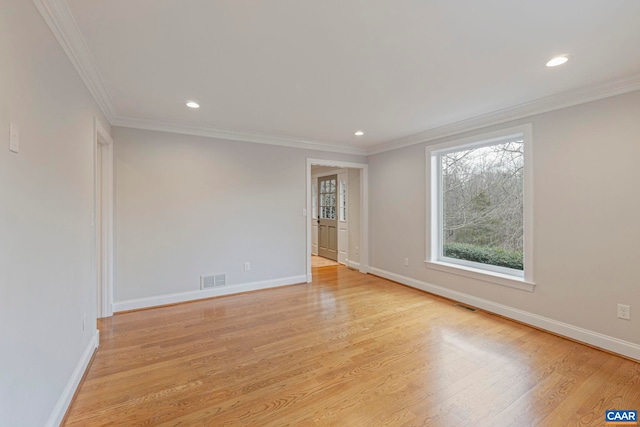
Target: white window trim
(470,269)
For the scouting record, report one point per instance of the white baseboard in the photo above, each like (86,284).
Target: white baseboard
(74,381)
(353,264)
(615,345)
(135,304)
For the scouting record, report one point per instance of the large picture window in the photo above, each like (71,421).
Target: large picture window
(480,209)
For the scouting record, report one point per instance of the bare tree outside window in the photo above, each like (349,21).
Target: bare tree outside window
(482,197)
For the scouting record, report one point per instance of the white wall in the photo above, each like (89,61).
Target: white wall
(586,208)
(46,202)
(187,206)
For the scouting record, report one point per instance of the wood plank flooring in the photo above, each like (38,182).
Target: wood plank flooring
(348,350)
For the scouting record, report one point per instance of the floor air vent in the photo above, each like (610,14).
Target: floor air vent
(466,307)
(214,281)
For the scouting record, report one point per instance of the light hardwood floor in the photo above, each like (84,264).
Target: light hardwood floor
(318,261)
(347,350)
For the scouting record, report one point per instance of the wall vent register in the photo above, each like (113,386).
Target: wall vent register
(213,281)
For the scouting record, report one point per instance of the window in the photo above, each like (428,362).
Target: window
(343,200)
(327,198)
(480,207)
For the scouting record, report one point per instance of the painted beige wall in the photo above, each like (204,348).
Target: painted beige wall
(46,202)
(187,206)
(586,208)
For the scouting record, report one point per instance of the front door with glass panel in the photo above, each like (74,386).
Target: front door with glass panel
(327,217)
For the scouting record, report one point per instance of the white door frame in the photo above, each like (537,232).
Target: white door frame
(364,209)
(104,287)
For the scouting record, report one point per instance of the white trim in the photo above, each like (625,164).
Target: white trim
(364,208)
(60,20)
(138,303)
(434,259)
(328,173)
(237,135)
(104,142)
(528,204)
(615,345)
(74,381)
(539,106)
(353,264)
(484,275)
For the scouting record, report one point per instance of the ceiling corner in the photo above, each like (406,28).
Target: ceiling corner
(232,135)
(58,17)
(538,106)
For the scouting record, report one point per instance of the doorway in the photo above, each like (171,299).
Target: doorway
(354,176)
(103,220)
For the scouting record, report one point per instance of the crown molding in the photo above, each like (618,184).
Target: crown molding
(60,20)
(243,136)
(58,17)
(538,106)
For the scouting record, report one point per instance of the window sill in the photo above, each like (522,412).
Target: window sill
(485,276)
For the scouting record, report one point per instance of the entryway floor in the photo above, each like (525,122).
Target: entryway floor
(318,261)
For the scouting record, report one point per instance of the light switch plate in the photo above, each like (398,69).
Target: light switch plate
(14,138)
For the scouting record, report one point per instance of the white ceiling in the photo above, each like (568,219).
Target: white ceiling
(308,72)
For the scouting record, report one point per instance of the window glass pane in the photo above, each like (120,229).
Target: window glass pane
(343,200)
(314,200)
(482,212)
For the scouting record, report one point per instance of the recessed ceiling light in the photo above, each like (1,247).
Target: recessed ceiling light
(359,133)
(558,60)
(192,104)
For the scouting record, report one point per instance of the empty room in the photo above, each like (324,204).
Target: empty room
(335,213)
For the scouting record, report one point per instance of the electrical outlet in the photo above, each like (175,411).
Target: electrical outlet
(624,312)
(247,266)
(406,262)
